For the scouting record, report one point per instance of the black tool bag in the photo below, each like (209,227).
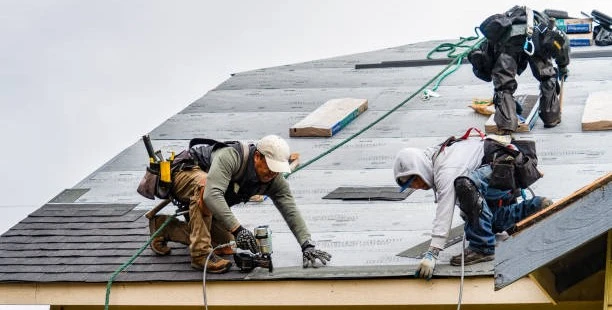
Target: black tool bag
(512,169)
(482,60)
(603,37)
(496,27)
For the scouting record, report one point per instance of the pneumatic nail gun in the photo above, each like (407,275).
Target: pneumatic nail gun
(247,261)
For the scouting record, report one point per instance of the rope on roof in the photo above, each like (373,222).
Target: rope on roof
(442,73)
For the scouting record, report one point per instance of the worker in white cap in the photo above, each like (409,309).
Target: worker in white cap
(211,177)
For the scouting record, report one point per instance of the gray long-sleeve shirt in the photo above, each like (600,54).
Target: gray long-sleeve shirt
(225,164)
(456,160)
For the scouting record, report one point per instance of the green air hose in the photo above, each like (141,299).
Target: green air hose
(333,148)
(458,58)
(442,74)
(133,258)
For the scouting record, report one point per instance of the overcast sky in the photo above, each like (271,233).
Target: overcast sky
(80,80)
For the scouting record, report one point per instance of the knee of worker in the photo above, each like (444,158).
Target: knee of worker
(535,204)
(550,87)
(198,221)
(541,202)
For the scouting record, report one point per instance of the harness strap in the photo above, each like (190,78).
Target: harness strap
(469,131)
(245,157)
(529,30)
(528,47)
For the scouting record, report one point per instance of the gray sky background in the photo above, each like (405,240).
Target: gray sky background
(81,80)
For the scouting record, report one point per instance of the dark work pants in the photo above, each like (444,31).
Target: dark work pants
(508,64)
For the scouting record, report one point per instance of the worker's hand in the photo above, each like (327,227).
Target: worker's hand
(563,73)
(428,264)
(310,255)
(245,240)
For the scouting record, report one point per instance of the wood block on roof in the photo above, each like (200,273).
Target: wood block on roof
(531,105)
(329,118)
(597,113)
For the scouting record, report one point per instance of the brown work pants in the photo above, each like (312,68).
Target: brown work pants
(203,227)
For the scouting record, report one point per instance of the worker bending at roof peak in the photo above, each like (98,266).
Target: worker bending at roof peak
(455,172)
(210,179)
(518,37)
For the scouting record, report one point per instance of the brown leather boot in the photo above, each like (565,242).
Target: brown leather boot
(215,264)
(470,258)
(175,230)
(159,246)
(224,251)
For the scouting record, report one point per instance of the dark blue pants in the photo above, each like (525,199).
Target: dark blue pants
(495,218)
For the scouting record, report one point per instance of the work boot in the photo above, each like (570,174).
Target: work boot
(471,257)
(224,251)
(159,246)
(469,198)
(175,230)
(215,264)
(552,124)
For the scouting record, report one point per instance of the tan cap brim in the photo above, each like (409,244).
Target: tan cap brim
(278,166)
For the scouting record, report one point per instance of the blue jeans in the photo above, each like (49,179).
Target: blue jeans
(496,218)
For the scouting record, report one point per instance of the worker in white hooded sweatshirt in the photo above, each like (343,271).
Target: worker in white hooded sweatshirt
(457,168)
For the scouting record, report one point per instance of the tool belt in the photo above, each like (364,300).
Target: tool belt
(512,169)
(157,181)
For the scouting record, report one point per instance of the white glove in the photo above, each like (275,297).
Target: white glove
(428,264)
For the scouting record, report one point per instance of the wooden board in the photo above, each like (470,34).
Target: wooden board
(329,118)
(597,113)
(534,218)
(531,105)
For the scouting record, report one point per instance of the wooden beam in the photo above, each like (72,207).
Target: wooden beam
(329,118)
(545,279)
(534,218)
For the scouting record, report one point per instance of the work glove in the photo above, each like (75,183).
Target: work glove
(245,240)
(310,255)
(428,264)
(563,73)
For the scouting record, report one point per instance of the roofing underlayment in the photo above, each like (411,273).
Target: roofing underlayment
(86,232)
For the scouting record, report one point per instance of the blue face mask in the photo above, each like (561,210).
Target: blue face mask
(406,185)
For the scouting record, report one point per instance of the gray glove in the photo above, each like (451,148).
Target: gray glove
(245,240)
(428,264)
(310,255)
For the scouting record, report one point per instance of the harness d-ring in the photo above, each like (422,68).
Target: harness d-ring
(528,46)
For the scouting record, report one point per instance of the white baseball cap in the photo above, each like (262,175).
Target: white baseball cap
(276,151)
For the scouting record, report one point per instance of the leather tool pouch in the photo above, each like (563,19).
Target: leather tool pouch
(502,176)
(151,186)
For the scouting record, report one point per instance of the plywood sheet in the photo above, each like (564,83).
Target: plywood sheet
(329,118)
(597,113)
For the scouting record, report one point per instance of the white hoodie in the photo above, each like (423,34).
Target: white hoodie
(456,160)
